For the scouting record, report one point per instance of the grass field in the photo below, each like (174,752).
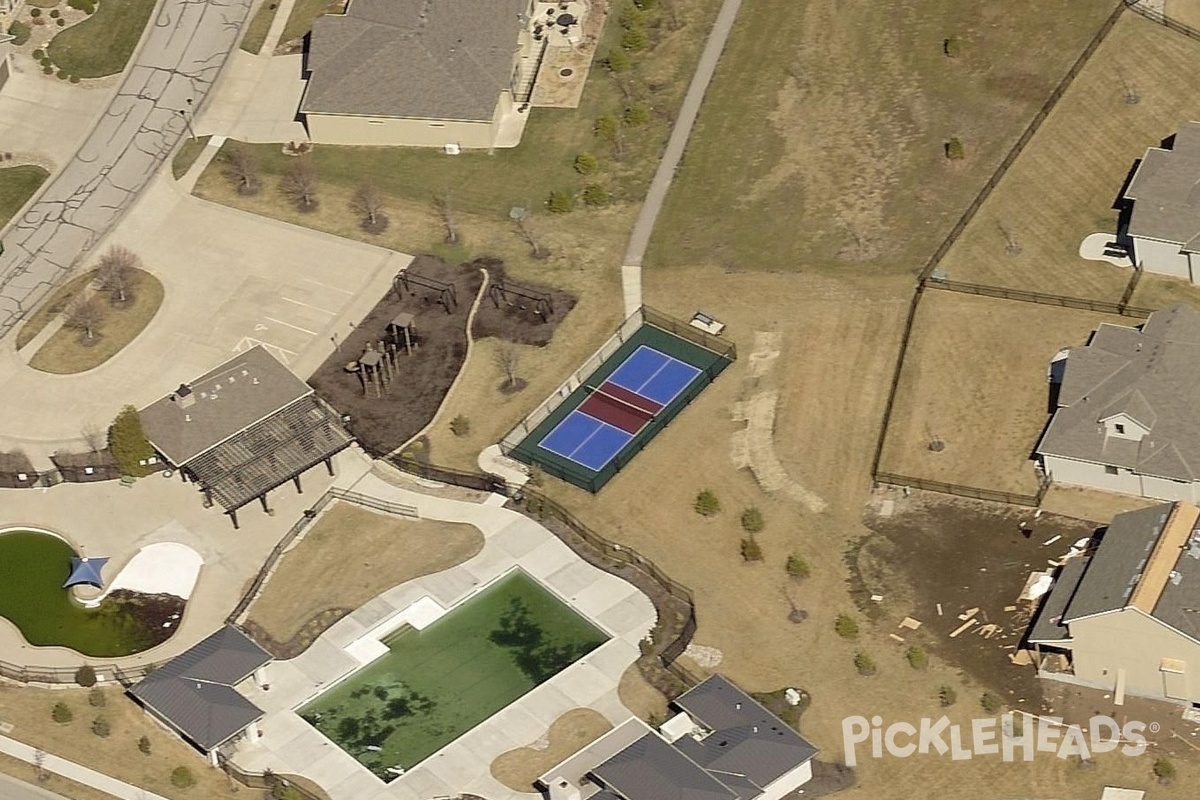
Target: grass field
(518,769)
(317,575)
(842,162)
(102,44)
(1185,11)
(17,185)
(49,310)
(68,352)
(300,21)
(980,388)
(1064,185)
(258,27)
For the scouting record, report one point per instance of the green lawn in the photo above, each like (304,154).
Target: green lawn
(187,155)
(65,353)
(17,185)
(259,26)
(820,142)
(102,44)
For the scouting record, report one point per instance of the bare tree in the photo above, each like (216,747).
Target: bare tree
(368,201)
(39,765)
(300,183)
(508,358)
(84,314)
(116,271)
(93,437)
(445,209)
(242,169)
(527,233)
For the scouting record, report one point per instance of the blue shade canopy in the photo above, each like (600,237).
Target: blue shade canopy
(86,571)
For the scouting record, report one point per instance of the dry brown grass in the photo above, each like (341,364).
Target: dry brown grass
(352,555)
(29,711)
(639,696)
(1090,504)
(975,378)
(1185,11)
(518,769)
(54,783)
(1064,185)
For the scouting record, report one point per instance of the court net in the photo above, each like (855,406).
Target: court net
(617,402)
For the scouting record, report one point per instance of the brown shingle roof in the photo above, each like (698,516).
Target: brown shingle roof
(426,59)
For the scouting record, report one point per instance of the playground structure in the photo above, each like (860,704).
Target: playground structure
(440,292)
(504,293)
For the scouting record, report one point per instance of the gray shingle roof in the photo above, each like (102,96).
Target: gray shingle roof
(1113,570)
(426,59)
(1166,192)
(1049,628)
(747,739)
(194,692)
(227,400)
(651,769)
(1153,376)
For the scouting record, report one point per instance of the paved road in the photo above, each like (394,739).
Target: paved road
(631,272)
(13,789)
(180,57)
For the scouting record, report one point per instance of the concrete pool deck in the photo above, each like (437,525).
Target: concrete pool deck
(288,744)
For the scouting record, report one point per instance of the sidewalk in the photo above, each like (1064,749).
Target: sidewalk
(76,772)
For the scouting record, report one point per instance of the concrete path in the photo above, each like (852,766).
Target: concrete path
(13,789)
(277,25)
(631,272)
(288,744)
(68,769)
(178,61)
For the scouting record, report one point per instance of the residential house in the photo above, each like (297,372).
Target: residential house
(721,745)
(1126,615)
(451,73)
(195,694)
(1165,221)
(1128,415)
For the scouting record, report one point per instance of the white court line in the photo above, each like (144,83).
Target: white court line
(290,325)
(309,305)
(327,286)
(638,391)
(568,457)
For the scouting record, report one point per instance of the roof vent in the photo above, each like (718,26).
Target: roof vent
(186,398)
(187,417)
(1176,577)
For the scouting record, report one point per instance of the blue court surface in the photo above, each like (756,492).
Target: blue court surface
(593,443)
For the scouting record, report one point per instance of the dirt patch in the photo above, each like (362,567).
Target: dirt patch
(350,556)
(518,769)
(964,555)
(412,395)
(521,312)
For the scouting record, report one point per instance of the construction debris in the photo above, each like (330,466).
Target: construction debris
(939,609)
(1051,540)
(1010,608)
(989,630)
(894,637)
(1021,658)
(962,627)
(910,623)
(970,612)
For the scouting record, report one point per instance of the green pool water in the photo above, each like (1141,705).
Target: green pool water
(438,683)
(33,567)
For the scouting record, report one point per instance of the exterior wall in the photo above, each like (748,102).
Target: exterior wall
(1162,257)
(390,131)
(788,782)
(1136,643)
(1084,473)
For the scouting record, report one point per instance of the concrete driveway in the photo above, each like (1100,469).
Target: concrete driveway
(232,280)
(41,117)
(256,100)
(179,60)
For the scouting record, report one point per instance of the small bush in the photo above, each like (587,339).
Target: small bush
(74,79)
(618,61)
(596,195)
(946,696)
(144,745)
(916,657)
(55,13)
(955,150)
(63,75)
(38,55)
(20,33)
(991,703)
(101,728)
(35,12)
(47,61)
(96,698)
(586,164)
(864,664)
(751,549)
(845,626)
(952,47)
(86,6)
(460,425)
(606,127)
(560,202)
(637,115)
(632,18)
(752,520)
(60,22)
(797,567)
(48,70)
(85,676)
(706,503)
(182,778)
(1164,770)
(61,713)
(635,40)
